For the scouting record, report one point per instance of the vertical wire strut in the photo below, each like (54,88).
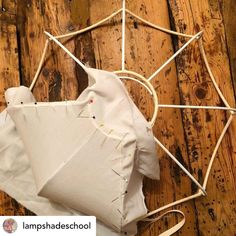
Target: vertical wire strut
(123,37)
(40,65)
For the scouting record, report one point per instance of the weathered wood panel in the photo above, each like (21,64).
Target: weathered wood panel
(190,135)
(146,50)
(9,53)
(60,77)
(215,215)
(9,77)
(229,15)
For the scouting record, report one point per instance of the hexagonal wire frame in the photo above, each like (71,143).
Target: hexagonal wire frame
(227,107)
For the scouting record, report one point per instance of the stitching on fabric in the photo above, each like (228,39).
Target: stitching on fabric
(121,216)
(120,175)
(119,196)
(116,227)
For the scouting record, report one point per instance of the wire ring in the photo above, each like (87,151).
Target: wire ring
(143,81)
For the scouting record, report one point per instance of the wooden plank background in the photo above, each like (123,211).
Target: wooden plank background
(190,135)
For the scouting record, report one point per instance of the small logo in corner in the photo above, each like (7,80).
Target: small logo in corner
(9,225)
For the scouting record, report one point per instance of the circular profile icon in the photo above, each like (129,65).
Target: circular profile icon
(9,225)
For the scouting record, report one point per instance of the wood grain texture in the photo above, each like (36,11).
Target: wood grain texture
(9,77)
(9,60)
(60,78)
(146,50)
(190,135)
(228,10)
(8,11)
(202,128)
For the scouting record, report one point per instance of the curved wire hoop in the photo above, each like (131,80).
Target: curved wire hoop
(146,83)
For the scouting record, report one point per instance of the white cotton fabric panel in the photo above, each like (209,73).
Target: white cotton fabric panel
(114,105)
(16,177)
(91,154)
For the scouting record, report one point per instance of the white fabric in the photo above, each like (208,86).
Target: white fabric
(16,178)
(94,165)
